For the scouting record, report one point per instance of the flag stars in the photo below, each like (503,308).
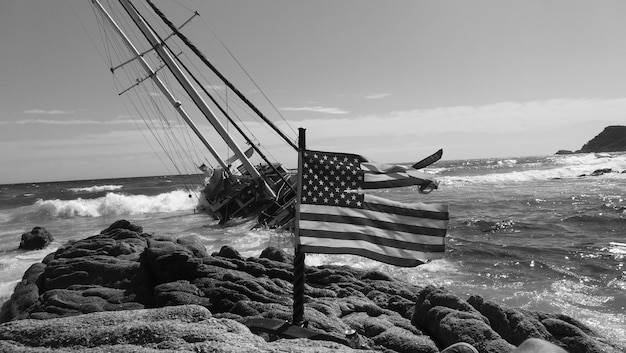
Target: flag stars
(327,176)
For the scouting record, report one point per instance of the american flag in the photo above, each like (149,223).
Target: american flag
(335,217)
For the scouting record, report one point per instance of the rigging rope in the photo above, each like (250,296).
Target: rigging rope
(224,79)
(271,165)
(165,140)
(252,144)
(247,74)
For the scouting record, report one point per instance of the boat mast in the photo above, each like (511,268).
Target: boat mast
(175,103)
(219,74)
(193,93)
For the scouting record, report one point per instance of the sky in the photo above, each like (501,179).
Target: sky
(392,80)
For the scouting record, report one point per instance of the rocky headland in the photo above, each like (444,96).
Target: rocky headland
(127,291)
(611,139)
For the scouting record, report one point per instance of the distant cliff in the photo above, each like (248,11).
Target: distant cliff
(611,139)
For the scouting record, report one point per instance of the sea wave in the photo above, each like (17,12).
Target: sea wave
(531,168)
(97,188)
(567,172)
(114,204)
(592,161)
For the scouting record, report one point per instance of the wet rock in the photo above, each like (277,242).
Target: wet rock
(193,243)
(509,323)
(37,238)
(229,252)
(486,226)
(25,296)
(598,172)
(450,319)
(276,254)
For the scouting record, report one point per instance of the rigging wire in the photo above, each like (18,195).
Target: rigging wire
(235,125)
(243,109)
(160,128)
(247,74)
(230,103)
(206,62)
(107,56)
(167,142)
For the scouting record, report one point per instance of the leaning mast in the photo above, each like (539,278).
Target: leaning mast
(193,93)
(157,80)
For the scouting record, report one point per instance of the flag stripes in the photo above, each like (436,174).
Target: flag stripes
(383,221)
(335,217)
(400,258)
(378,180)
(383,230)
(337,236)
(394,180)
(424,210)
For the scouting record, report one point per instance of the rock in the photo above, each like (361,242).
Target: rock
(486,226)
(229,252)
(276,254)
(601,171)
(122,224)
(179,293)
(25,295)
(450,319)
(187,328)
(510,324)
(611,139)
(38,238)
(193,243)
(565,152)
(102,293)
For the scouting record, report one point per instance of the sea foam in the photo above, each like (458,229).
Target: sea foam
(115,204)
(97,188)
(561,167)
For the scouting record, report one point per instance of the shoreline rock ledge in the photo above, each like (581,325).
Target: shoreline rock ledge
(127,291)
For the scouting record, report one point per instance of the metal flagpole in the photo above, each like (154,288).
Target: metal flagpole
(298,261)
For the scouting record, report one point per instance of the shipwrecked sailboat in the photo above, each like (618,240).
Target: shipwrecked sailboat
(154,62)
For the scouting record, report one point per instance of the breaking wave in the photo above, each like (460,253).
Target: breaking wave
(115,204)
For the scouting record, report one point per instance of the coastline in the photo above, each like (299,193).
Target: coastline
(124,269)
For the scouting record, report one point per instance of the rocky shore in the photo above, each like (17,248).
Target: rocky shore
(127,291)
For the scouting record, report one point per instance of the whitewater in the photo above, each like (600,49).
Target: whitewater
(539,233)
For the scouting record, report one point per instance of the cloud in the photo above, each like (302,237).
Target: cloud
(70,122)
(504,128)
(377,95)
(317,109)
(48,112)
(498,118)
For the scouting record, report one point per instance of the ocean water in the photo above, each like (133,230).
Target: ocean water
(526,232)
